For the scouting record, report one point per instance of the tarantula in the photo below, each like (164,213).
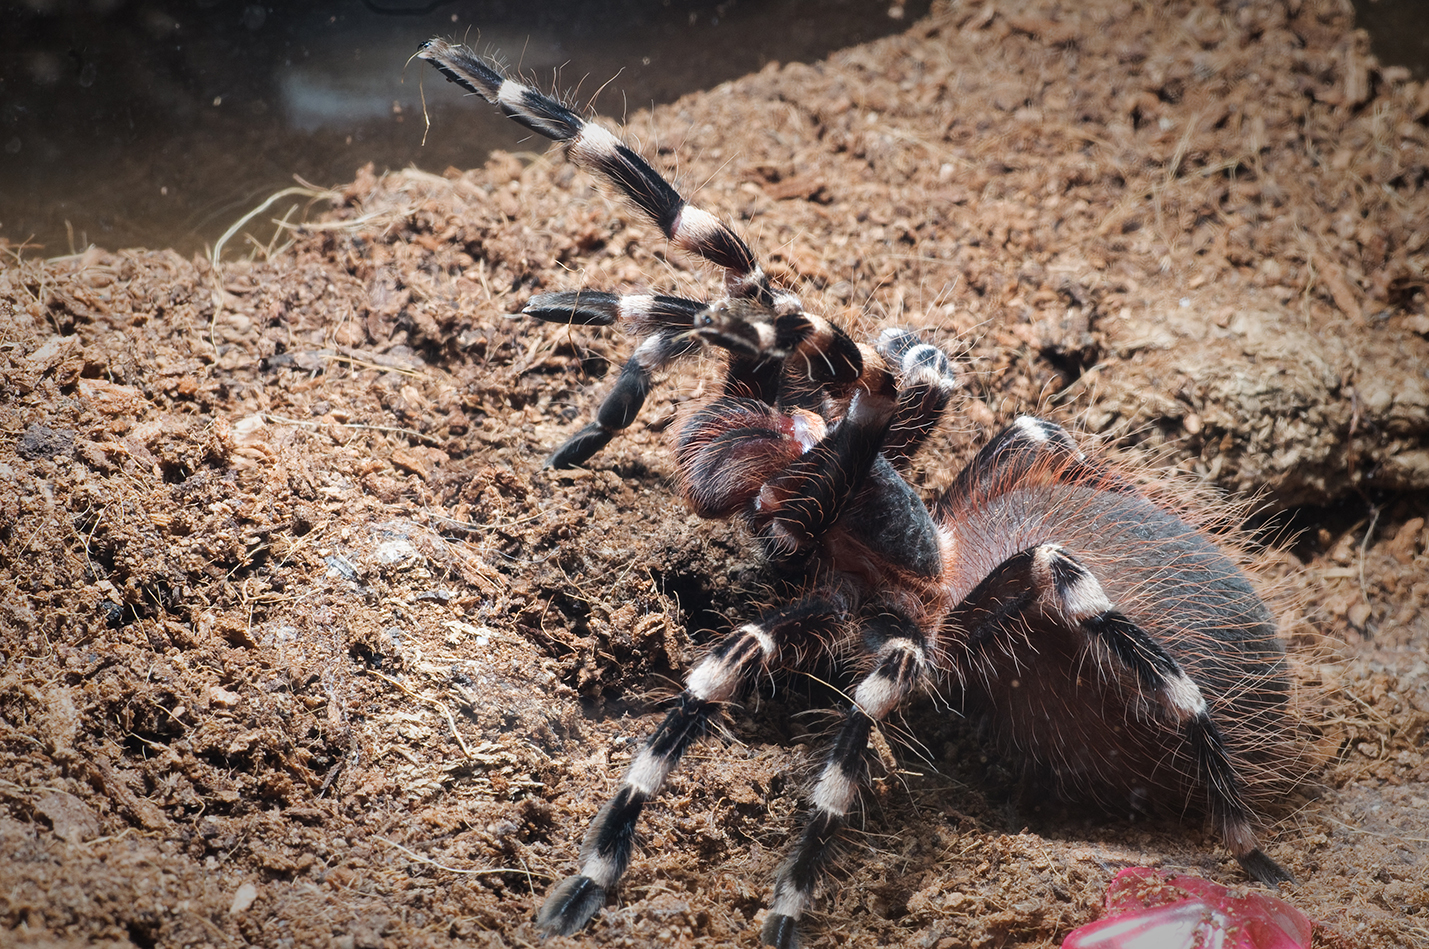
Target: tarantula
(1100,636)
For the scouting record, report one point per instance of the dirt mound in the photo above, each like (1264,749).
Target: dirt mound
(302,647)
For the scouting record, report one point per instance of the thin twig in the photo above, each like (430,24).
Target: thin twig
(442,866)
(433,702)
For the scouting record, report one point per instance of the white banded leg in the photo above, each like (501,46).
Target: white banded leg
(661,323)
(900,665)
(588,144)
(1049,577)
(1028,446)
(719,677)
(926,382)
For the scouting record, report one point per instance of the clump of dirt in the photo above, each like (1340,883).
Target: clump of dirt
(303,647)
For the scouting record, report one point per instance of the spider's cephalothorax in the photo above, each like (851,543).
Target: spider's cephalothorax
(1100,636)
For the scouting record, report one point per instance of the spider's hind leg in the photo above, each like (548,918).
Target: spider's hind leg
(1043,590)
(1033,448)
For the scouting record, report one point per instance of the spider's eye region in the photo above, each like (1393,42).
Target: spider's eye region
(741,329)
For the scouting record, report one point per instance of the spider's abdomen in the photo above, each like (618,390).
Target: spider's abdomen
(1079,718)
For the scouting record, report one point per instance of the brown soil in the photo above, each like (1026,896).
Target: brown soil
(302,647)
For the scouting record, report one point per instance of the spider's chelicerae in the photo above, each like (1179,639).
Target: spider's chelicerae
(1100,636)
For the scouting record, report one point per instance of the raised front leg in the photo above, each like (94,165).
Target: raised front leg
(598,149)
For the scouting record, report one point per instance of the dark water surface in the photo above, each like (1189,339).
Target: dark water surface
(158,123)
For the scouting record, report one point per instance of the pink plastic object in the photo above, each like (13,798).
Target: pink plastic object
(1148,910)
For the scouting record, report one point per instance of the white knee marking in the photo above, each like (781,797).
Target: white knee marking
(711,681)
(1031,426)
(715,679)
(876,696)
(695,227)
(1184,697)
(652,353)
(790,902)
(766,334)
(512,95)
(766,642)
(1042,559)
(647,772)
(633,306)
(1036,429)
(785,303)
(929,377)
(594,143)
(1085,598)
(600,870)
(1079,600)
(834,793)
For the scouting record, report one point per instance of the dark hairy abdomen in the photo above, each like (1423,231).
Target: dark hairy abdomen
(1043,696)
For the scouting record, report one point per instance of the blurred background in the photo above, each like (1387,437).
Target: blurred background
(158,123)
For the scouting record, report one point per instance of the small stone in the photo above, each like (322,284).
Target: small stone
(243,899)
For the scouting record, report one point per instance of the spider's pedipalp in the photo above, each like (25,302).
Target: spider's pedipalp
(797,506)
(731,447)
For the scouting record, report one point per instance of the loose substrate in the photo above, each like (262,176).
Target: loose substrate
(302,647)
